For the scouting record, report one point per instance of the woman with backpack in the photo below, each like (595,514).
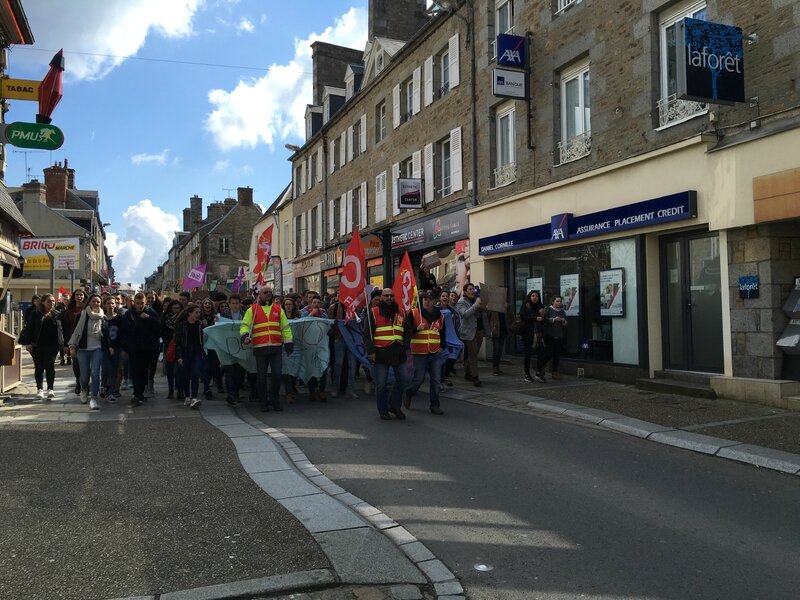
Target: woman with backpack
(43,338)
(88,342)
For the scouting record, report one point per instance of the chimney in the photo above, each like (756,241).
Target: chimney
(187,219)
(396,19)
(245,195)
(34,191)
(55,180)
(70,176)
(196,207)
(216,210)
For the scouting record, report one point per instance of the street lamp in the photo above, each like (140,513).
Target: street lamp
(292,147)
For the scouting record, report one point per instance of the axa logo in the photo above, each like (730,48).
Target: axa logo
(511,56)
(558,234)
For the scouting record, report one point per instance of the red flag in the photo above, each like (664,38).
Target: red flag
(405,286)
(263,250)
(354,277)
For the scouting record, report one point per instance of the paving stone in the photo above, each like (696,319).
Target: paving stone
(593,415)
(365,556)
(451,598)
(252,587)
(310,471)
(448,588)
(254,443)
(436,571)
(381,521)
(284,484)
(319,512)
(349,499)
(365,510)
(553,406)
(417,552)
(691,441)
(635,427)
(405,592)
(263,462)
(223,419)
(241,430)
(399,535)
(763,457)
(333,489)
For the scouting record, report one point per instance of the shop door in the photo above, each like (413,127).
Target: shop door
(692,306)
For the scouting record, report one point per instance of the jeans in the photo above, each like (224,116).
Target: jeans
(193,367)
(110,370)
(381,372)
(344,359)
(234,380)
(269,377)
(90,363)
(430,364)
(137,367)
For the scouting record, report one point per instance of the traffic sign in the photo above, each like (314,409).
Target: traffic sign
(33,135)
(19,89)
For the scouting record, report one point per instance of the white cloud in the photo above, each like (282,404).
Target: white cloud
(246,25)
(116,27)
(156,159)
(148,234)
(273,106)
(221,165)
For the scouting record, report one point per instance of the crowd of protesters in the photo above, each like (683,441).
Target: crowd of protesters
(117,343)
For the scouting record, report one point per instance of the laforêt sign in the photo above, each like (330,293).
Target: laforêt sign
(42,136)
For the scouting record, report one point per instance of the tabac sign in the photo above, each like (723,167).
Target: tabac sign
(19,89)
(710,62)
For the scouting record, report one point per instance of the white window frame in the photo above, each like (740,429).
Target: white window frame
(380,122)
(446,172)
(444,74)
(408,107)
(579,145)
(563,5)
(505,171)
(224,246)
(499,26)
(671,109)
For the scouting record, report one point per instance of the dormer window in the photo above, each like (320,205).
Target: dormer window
(379,62)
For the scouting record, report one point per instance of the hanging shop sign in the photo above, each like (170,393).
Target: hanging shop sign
(33,135)
(511,51)
(409,193)
(564,227)
(509,84)
(710,62)
(434,231)
(19,89)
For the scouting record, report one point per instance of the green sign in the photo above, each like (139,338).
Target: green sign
(33,135)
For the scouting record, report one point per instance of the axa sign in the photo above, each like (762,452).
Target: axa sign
(511,51)
(33,135)
(710,62)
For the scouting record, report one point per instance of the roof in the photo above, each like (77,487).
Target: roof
(390,46)
(10,211)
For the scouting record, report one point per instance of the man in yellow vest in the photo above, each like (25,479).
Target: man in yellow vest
(426,347)
(266,327)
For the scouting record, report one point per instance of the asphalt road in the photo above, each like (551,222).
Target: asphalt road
(559,509)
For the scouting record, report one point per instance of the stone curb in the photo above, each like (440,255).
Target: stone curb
(251,587)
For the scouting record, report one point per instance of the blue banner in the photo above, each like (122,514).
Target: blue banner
(311,354)
(453,345)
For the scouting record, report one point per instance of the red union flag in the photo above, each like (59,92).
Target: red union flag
(354,277)
(263,250)
(405,286)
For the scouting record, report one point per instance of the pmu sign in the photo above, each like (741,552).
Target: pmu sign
(511,51)
(710,62)
(33,135)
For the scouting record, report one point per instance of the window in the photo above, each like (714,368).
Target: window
(314,232)
(379,62)
(444,154)
(576,130)
(224,245)
(357,139)
(313,165)
(298,180)
(503,21)
(565,4)
(335,157)
(671,110)
(407,168)
(380,121)
(444,80)
(408,88)
(298,236)
(505,171)
(356,206)
(335,221)
(286,239)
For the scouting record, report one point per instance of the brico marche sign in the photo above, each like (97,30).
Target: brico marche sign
(32,135)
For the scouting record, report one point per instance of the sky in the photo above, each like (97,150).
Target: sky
(165,99)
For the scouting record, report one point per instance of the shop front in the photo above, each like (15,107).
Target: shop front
(440,242)
(306,272)
(332,260)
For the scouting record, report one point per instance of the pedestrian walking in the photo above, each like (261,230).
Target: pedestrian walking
(385,346)
(474,325)
(189,352)
(499,323)
(266,327)
(168,319)
(69,316)
(87,344)
(212,374)
(343,377)
(316,385)
(140,338)
(45,338)
(554,325)
(427,342)
(530,316)
(235,373)
(289,381)
(111,357)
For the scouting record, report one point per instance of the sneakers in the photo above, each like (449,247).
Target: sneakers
(195,403)
(93,405)
(528,378)
(447,382)
(397,412)
(476,382)
(126,384)
(111,399)
(385,416)
(436,410)
(84,396)
(40,394)
(78,391)
(102,393)
(187,401)
(540,378)
(135,402)
(50,394)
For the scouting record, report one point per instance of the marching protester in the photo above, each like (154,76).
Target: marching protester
(88,342)
(111,357)
(384,343)
(290,381)
(530,316)
(168,319)
(69,317)
(474,326)
(208,317)
(266,327)
(140,338)
(43,337)
(554,323)
(189,352)
(499,325)
(316,385)
(448,363)
(427,342)
(341,379)
(235,373)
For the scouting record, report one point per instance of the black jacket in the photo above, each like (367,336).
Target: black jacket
(138,334)
(45,331)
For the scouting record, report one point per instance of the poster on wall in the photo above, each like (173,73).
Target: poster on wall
(612,300)
(571,293)
(534,284)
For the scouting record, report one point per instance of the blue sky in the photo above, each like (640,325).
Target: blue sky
(149,134)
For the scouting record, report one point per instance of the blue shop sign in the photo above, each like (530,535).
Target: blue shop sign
(748,287)
(563,227)
(511,51)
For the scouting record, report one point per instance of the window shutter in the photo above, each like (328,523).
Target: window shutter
(302,233)
(331,212)
(320,166)
(349,212)
(363,133)
(455,160)
(318,241)
(331,155)
(380,197)
(429,183)
(307,165)
(343,149)
(343,215)
(362,197)
(416,164)
(395,177)
(452,49)
(415,105)
(396,106)
(428,81)
(303,166)
(350,146)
